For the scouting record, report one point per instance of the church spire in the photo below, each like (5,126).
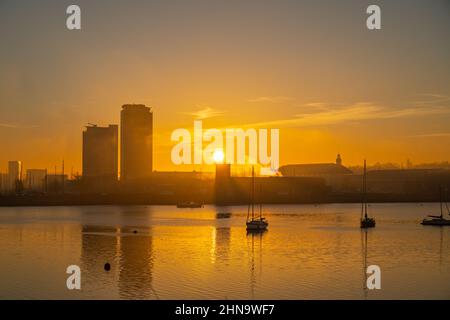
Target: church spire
(339,160)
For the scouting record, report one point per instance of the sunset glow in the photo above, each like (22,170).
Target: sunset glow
(218,156)
(328,91)
(225,159)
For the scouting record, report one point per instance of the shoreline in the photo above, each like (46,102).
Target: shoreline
(148,199)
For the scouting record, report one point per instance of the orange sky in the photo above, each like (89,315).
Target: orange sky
(311,69)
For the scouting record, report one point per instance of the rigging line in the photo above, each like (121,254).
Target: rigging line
(446,204)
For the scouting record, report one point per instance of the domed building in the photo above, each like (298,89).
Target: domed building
(315,169)
(335,174)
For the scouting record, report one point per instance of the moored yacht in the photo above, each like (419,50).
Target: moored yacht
(366,222)
(255,223)
(437,220)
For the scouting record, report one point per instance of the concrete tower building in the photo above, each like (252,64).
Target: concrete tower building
(136,135)
(100,152)
(14,174)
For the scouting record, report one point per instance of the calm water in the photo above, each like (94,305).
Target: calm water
(309,252)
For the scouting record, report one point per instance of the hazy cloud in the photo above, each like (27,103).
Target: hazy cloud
(7,125)
(427,99)
(16,126)
(276,99)
(316,104)
(356,112)
(431,135)
(205,113)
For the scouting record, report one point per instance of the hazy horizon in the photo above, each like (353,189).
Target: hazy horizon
(309,68)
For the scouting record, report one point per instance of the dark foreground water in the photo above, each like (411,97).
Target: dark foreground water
(309,252)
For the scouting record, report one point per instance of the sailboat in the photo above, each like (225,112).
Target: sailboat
(255,223)
(366,222)
(438,220)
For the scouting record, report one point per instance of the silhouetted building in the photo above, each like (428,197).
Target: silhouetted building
(223,171)
(136,134)
(339,160)
(409,181)
(222,183)
(14,174)
(56,182)
(313,170)
(174,187)
(335,174)
(4,183)
(100,152)
(273,189)
(36,179)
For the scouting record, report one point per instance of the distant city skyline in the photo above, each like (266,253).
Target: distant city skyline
(309,68)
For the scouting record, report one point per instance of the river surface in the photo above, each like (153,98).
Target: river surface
(161,252)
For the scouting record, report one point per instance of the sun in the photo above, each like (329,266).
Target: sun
(218,156)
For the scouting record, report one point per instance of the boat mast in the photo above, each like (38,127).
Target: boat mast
(253,193)
(440,200)
(365,187)
(249,203)
(365,191)
(260,201)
